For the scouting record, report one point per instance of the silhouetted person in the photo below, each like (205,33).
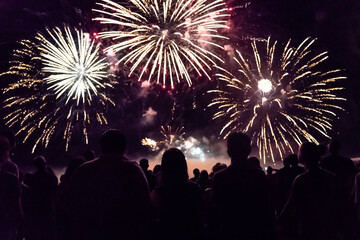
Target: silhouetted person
(42,190)
(240,196)
(357,200)
(26,206)
(157,169)
(74,164)
(323,148)
(345,171)
(177,200)
(144,164)
(109,196)
(203,180)
(89,155)
(10,204)
(313,201)
(272,184)
(269,171)
(285,170)
(10,136)
(285,180)
(342,166)
(295,170)
(7,165)
(217,167)
(157,174)
(63,187)
(196,173)
(254,161)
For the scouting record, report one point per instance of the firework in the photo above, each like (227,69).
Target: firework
(279,98)
(151,143)
(172,135)
(59,85)
(174,138)
(72,67)
(162,39)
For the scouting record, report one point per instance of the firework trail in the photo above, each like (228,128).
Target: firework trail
(60,85)
(162,39)
(279,98)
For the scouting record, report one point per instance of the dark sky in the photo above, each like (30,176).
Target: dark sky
(334,23)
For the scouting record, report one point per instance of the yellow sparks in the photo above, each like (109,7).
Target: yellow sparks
(280,99)
(58,84)
(172,134)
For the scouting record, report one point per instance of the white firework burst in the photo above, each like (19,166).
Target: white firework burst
(72,65)
(163,39)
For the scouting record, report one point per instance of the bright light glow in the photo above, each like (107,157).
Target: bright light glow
(71,64)
(168,37)
(264,99)
(265,85)
(150,142)
(188,144)
(197,152)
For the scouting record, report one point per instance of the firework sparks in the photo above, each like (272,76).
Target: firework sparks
(151,143)
(278,98)
(52,75)
(163,38)
(174,138)
(172,135)
(72,67)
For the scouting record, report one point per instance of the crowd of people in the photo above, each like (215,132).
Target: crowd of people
(113,198)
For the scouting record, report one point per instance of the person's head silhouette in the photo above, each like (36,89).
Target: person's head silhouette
(239,146)
(174,167)
(196,173)
(255,162)
(309,155)
(334,146)
(89,155)
(157,169)
(269,170)
(113,141)
(286,163)
(144,164)
(10,136)
(4,149)
(40,163)
(293,160)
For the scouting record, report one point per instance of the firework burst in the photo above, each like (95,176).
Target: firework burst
(59,85)
(172,135)
(162,39)
(279,98)
(72,68)
(150,143)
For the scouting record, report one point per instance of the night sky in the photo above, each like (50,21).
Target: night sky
(336,25)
